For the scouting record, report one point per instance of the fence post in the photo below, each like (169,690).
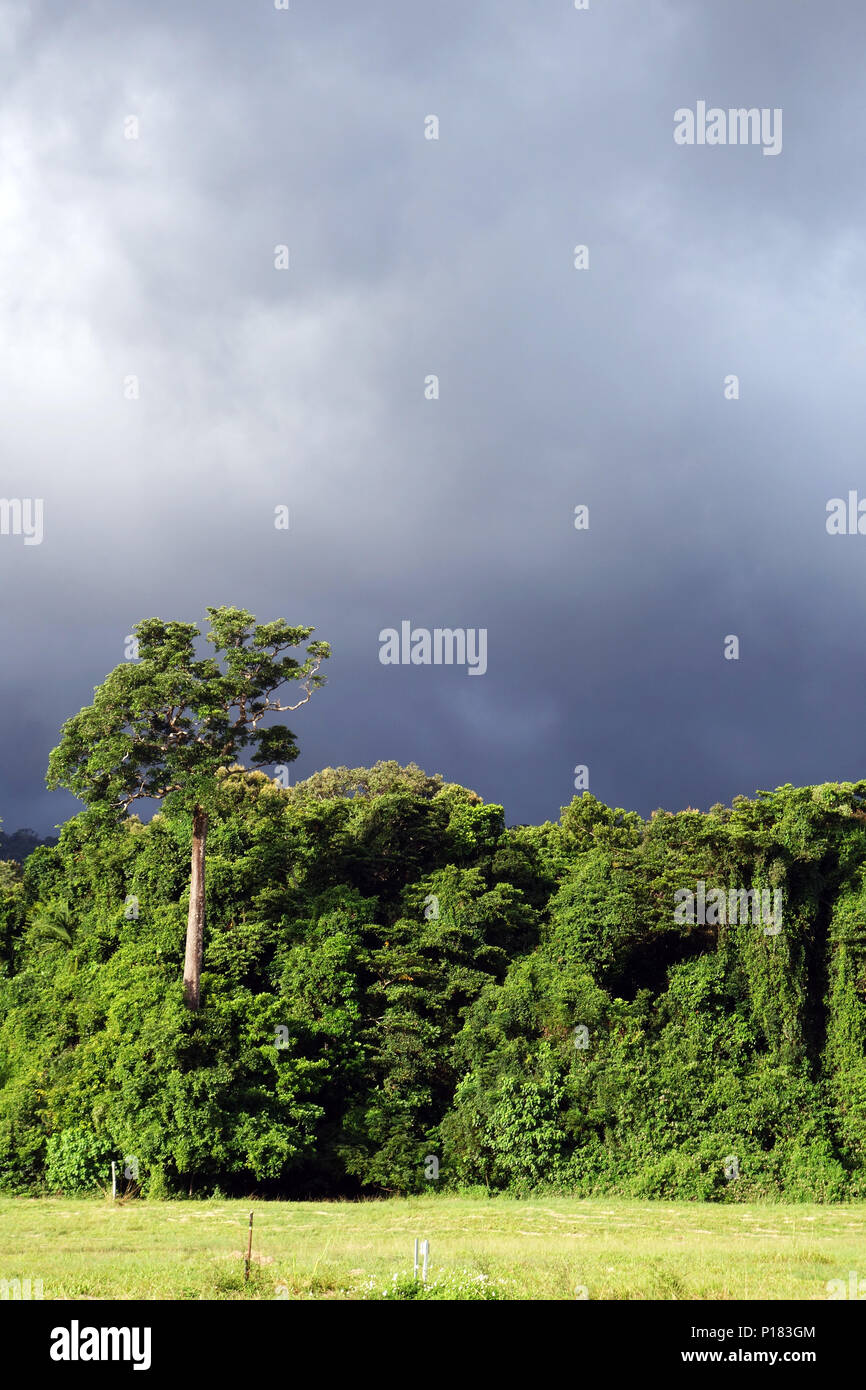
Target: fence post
(249,1252)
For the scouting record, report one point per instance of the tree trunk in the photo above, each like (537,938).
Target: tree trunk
(195,920)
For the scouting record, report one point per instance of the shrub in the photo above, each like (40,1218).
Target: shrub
(77,1160)
(449,1285)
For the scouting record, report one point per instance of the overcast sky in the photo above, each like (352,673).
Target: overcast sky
(154,258)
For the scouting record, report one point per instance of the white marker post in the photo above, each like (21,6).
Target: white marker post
(113,1182)
(425,1251)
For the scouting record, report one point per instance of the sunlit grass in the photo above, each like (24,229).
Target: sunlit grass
(542,1249)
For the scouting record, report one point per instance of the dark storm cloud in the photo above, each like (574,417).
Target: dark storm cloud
(155,258)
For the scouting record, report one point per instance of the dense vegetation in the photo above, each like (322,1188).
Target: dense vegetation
(391,975)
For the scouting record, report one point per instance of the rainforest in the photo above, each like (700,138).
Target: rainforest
(392,974)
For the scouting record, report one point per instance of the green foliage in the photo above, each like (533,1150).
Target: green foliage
(12,913)
(451,1285)
(51,923)
(163,725)
(76,1160)
(391,975)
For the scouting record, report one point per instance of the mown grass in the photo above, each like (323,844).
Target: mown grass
(542,1249)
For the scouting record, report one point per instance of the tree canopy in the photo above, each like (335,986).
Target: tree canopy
(391,973)
(164,724)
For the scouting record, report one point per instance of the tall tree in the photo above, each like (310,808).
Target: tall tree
(160,727)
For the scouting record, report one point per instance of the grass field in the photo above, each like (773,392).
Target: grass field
(543,1249)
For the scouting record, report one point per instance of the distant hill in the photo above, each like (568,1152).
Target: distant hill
(21,843)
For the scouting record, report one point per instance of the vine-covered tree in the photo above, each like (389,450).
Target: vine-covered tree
(160,728)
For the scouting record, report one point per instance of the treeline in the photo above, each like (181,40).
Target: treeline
(21,843)
(399,992)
